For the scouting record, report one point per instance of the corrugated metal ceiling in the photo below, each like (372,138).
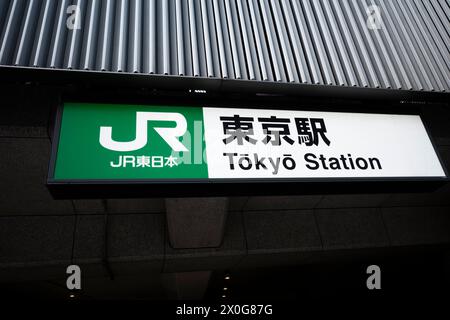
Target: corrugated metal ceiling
(324,42)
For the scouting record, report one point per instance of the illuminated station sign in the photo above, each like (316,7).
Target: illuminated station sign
(107,143)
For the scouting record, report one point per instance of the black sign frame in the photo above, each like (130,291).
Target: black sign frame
(146,188)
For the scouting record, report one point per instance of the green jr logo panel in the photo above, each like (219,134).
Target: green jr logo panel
(120,142)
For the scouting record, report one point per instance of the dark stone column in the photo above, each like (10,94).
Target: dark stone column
(186,285)
(196,222)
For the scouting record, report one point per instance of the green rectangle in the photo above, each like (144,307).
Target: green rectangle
(81,156)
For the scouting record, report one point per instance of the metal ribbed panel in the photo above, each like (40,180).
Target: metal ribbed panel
(323,42)
(42,40)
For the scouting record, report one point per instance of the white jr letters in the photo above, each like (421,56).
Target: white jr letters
(170,135)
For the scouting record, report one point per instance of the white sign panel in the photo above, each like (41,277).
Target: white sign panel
(253,143)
